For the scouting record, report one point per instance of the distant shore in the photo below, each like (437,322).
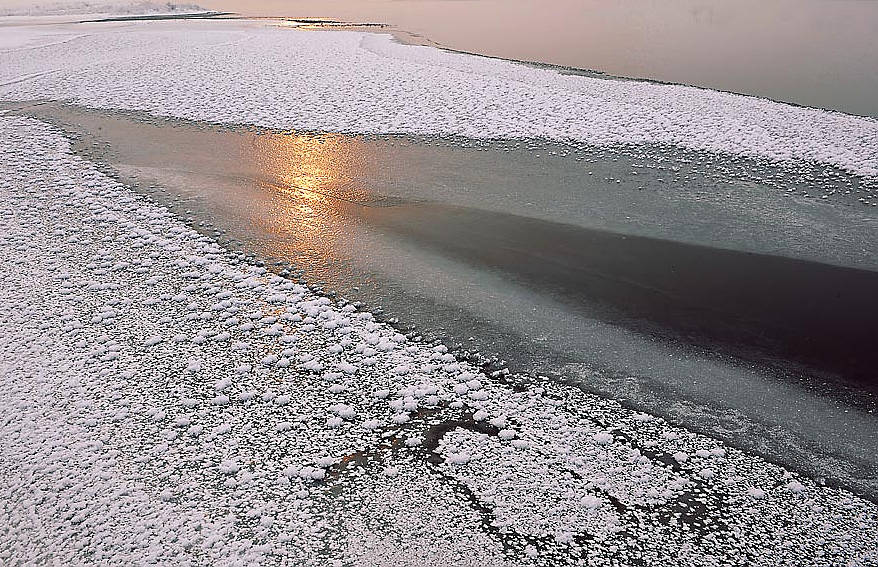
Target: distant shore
(745,47)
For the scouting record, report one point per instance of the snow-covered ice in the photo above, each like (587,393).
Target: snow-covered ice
(254,73)
(137,458)
(164,401)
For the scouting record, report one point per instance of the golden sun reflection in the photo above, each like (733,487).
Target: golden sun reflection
(318,184)
(312,167)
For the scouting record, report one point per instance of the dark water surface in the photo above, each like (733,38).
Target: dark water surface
(753,305)
(706,289)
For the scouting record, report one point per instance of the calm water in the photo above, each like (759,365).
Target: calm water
(813,52)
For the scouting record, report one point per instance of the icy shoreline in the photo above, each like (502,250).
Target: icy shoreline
(353,82)
(155,385)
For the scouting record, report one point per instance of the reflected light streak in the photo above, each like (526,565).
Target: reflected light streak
(315,183)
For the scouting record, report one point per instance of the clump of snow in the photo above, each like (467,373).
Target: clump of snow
(229,467)
(756,493)
(458,458)
(602,438)
(334,422)
(506,434)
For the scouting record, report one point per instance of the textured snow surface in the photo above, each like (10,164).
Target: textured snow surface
(163,401)
(244,72)
(72,7)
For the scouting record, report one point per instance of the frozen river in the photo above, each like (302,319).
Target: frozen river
(657,277)
(284,297)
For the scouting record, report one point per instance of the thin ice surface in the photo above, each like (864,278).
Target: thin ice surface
(163,400)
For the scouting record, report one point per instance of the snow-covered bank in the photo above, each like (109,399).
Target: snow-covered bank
(162,399)
(77,7)
(246,72)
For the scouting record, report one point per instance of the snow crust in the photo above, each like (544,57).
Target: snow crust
(245,72)
(75,7)
(30,37)
(276,433)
